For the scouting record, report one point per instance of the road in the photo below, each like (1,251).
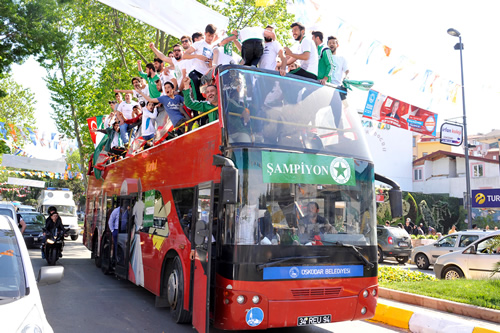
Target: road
(88,301)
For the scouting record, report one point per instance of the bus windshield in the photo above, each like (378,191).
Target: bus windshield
(266,110)
(301,214)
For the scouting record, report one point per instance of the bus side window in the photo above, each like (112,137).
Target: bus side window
(183,200)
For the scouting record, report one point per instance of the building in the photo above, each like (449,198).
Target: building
(444,172)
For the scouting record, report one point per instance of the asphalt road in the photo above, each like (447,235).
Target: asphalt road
(88,301)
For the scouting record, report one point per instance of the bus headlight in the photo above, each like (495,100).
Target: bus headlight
(255,299)
(363,311)
(240,299)
(365,293)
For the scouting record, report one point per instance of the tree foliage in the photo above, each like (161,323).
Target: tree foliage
(18,108)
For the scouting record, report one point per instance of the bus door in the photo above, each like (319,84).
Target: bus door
(124,227)
(202,263)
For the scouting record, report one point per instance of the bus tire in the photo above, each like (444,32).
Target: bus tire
(97,259)
(106,265)
(175,293)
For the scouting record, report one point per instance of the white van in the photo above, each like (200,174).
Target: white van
(62,199)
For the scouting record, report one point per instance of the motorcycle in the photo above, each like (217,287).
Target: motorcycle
(53,246)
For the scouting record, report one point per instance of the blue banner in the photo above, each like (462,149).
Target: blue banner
(312,272)
(486,198)
(370,103)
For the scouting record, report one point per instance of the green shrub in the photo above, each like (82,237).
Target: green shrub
(435,237)
(387,274)
(421,237)
(413,236)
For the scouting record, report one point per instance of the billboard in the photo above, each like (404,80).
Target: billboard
(394,112)
(486,198)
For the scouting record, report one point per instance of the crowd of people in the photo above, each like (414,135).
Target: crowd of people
(177,92)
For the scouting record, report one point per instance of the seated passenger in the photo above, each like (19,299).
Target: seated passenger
(173,105)
(202,106)
(113,143)
(313,224)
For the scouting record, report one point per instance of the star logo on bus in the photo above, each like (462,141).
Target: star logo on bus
(340,170)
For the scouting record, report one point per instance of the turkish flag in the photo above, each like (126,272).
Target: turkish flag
(92,122)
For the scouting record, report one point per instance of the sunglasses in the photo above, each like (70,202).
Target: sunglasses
(177,50)
(184,40)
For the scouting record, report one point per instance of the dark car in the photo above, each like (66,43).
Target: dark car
(393,242)
(35,222)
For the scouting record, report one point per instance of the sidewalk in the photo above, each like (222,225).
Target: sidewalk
(428,318)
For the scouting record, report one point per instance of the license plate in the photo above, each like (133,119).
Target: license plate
(313,320)
(35,239)
(402,244)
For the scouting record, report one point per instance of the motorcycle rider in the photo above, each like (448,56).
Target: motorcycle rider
(54,226)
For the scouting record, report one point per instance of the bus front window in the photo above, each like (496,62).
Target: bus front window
(299,214)
(264,110)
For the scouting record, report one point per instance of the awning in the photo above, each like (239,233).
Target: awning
(176,18)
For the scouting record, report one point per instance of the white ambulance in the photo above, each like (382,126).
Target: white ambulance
(62,199)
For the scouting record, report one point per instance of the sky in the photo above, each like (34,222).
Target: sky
(416,30)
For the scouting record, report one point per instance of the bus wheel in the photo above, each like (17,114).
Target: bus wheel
(106,266)
(97,259)
(175,293)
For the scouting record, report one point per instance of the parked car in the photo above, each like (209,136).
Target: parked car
(475,262)
(21,308)
(8,209)
(393,242)
(35,222)
(26,208)
(424,256)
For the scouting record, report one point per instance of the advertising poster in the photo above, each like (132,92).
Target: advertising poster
(149,208)
(394,112)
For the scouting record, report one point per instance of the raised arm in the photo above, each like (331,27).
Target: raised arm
(160,55)
(149,99)
(123,91)
(269,34)
(302,56)
(189,55)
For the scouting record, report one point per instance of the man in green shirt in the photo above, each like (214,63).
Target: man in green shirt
(151,77)
(325,63)
(202,106)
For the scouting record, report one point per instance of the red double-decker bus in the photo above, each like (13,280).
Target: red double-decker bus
(276,200)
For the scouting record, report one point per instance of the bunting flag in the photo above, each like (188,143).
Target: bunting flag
(13,132)
(70,175)
(32,135)
(3,130)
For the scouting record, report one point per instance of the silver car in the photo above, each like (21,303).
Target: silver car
(475,262)
(424,256)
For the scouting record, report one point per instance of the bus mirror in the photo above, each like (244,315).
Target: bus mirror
(201,232)
(396,200)
(229,182)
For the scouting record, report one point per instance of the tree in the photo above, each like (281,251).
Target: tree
(17,108)
(23,30)
(245,13)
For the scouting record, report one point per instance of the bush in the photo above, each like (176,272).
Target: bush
(413,236)
(421,237)
(387,274)
(435,237)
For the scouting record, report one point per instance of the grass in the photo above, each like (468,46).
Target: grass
(484,293)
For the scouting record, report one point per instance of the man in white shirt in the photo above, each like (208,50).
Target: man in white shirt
(140,84)
(125,108)
(340,66)
(272,49)
(201,52)
(307,53)
(251,39)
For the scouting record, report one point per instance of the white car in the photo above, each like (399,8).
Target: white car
(426,255)
(21,308)
(476,262)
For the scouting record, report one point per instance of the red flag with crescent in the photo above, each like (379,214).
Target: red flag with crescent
(92,122)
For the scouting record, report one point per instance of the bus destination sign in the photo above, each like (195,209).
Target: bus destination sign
(312,272)
(307,169)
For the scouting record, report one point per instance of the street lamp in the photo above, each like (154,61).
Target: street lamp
(460,46)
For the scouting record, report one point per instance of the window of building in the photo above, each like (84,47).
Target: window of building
(477,170)
(414,141)
(425,154)
(417,174)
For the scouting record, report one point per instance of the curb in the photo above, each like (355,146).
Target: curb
(423,322)
(441,305)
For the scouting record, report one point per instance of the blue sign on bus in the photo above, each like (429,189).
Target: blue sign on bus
(312,272)
(486,198)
